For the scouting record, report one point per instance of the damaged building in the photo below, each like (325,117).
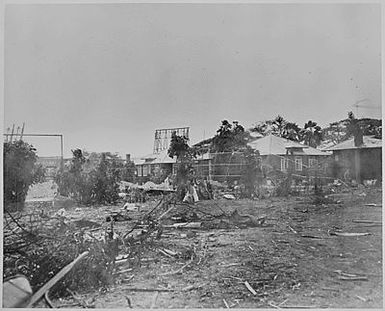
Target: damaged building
(358,161)
(280,154)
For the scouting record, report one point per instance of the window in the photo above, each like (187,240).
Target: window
(298,164)
(139,169)
(313,162)
(284,164)
(145,170)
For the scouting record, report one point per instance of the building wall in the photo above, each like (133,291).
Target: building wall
(223,167)
(296,164)
(370,161)
(147,171)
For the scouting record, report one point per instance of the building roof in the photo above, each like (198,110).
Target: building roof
(277,145)
(369,142)
(155,158)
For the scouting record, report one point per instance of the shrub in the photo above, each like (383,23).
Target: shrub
(20,171)
(91,178)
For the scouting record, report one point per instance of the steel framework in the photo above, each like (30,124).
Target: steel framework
(163,137)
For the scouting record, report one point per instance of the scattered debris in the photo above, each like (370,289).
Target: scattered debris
(349,234)
(225,302)
(248,286)
(361,298)
(186,225)
(357,278)
(148,240)
(350,277)
(311,237)
(139,289)
(368,221)
(229,196)
(373,205)
(39,294)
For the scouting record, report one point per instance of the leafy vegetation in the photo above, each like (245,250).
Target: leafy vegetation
(93,178)
(278,127)
(313,135)
(185,154)
(229,137)
(20,171)
(345,129)
(252,171)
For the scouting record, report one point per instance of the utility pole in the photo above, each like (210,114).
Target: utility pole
(61,153)
(13,129)
(22,131)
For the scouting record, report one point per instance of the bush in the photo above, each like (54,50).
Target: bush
(20,171)
(91,178)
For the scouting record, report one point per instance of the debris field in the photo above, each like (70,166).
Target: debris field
(293,252)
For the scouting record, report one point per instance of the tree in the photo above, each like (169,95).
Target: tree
(354,129)
(91,178)
(372,127)
(128,172)
(74,181)
(20,171)
(229,137)
(278,127)
(292,131)
(105,180)
(252,172)
(312,134)
(340,131)
(180,149)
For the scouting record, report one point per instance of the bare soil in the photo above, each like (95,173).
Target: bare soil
(292,260)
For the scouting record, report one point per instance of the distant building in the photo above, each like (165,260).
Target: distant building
(280,154)
(358,162)
(275,153)
(51,164)
(153,164)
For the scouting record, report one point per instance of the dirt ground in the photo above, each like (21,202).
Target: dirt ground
(292,260)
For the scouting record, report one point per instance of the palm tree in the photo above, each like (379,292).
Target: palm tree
(311,134)
(278,126)
(354,129)
(291,131)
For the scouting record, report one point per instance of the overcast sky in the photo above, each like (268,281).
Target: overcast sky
(107,75)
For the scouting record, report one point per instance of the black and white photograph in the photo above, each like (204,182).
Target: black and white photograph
(189,155)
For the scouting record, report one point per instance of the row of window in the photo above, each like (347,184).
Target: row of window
(297,164)
(143,170)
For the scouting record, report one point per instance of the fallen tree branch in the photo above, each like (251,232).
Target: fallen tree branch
(366,221)
(39,294)
(349,234)
(179,270)
(48,301)
(138,289)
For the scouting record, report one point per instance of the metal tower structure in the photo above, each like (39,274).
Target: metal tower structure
(163,137)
